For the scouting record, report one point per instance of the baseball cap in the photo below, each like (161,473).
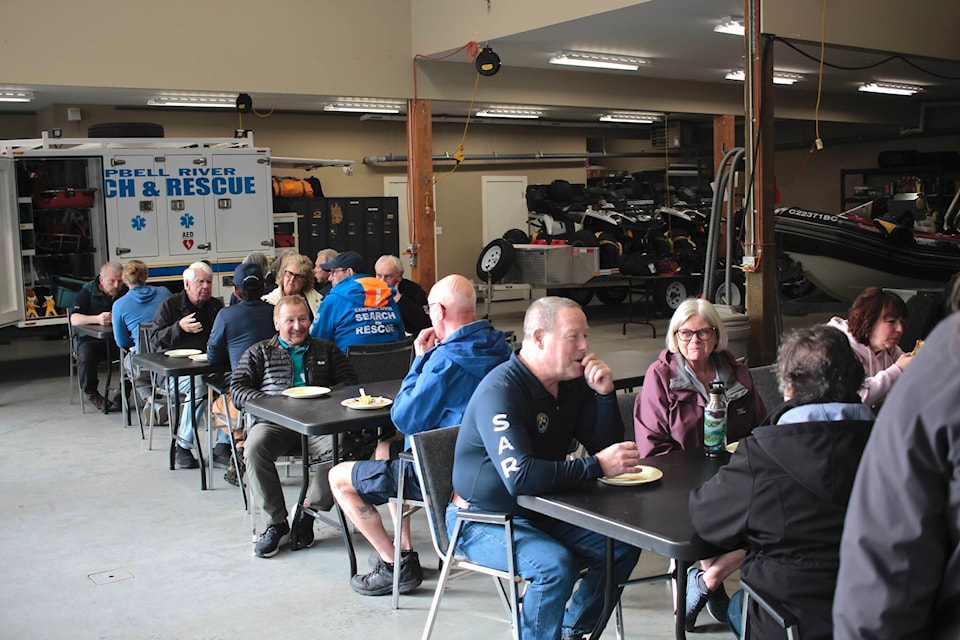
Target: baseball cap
(346,260)
(249,276)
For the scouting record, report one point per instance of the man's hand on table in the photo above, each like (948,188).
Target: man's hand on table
(619,458)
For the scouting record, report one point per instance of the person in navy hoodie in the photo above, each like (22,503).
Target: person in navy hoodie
(359,309)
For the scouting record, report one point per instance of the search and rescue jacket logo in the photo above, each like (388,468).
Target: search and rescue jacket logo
(542,422)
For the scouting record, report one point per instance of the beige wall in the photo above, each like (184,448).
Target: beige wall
(334,47)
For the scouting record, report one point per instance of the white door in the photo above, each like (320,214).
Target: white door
(11,285)
(132,184)
(186,206)
(396,187)
(504,205)
(242,200)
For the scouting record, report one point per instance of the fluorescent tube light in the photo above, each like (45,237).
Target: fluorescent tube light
(889,88)
(363,105)
(509,112)
(185,100)
(598,60)
(633,118)
(15,95)
(732,25)
(779,77)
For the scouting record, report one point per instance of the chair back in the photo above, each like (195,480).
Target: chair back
(145,336)
(433,453)
(70,332)
(625,402)
(377,362)
(772,608)
(766,385)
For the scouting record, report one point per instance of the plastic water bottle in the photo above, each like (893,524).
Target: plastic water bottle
(715,422)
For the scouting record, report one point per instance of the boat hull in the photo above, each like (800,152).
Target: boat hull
(843,255)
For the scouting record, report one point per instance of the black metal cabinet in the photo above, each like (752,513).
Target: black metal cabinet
(367,225)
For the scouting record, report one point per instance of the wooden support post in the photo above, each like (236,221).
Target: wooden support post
(423,264)
(761,284)
(723,141)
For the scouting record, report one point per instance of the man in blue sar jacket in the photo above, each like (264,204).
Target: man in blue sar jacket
(452,357)
(513,441)
(359,309)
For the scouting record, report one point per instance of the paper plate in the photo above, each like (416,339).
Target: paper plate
(199,357)
(732,446)
(367,402)
(642,475)
(305,392)
(183,353)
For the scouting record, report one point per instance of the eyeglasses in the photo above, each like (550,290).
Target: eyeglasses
(336,269)
(426,307)
(294,276)
(686,335)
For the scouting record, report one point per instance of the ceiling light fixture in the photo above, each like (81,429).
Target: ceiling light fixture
(631,117)
(509,112)
(779,77)
(364,105)
(890,88)
(15,95)
(732,25)
(221,101)
(598,60)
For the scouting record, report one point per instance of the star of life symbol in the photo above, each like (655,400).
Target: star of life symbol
(186,221)
(138,223)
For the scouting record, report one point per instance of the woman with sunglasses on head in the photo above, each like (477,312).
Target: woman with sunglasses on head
(295,278)
(668,416)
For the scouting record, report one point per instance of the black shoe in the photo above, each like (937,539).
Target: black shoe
(271,540)
(185,459)
(374,557)
(379,582)
(696,597)
(96,400)
(222,457)
(717,603)
(304,533)
(411,573)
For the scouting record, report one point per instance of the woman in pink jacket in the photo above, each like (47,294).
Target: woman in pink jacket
(668,416)
(874,326)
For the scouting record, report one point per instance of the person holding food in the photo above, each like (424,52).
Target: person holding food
(513,441)
(668,416)
(874,326)
(785,492)
(289,359)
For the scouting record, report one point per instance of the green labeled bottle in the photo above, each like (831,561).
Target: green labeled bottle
(715,422)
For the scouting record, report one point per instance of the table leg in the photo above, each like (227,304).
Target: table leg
(344,523)
(298,512)
(196,436)
(106,394)
(630,319)
(681,604)
(174,423)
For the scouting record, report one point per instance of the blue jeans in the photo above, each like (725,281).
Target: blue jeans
(735,613)
(185,431)
(550,555)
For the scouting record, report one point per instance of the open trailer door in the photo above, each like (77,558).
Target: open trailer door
(12,301)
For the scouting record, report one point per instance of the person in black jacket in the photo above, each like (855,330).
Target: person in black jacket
(290,359)
(784,493)
(411,298)
(184,321)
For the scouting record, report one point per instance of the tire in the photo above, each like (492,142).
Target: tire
(612,295)
(738,290)
(495,260)
(581,296)
(584,239)
(125,130)
(516,236)
(668,297)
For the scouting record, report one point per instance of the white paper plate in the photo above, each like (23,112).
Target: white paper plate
(305,392)
(642,475)
(367,402)
(199,357)
(732,446)
(183,353)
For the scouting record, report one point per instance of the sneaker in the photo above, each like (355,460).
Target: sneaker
(696,597)
(185,459)
(271,540)
(717,603)
(374,557)
(304,533)
(411,573)
(159,416)
(222,457)
(96,400)
(378,582)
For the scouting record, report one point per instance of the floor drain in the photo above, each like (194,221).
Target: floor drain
(106,577)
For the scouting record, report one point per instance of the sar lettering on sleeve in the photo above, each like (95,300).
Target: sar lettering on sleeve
(500,422)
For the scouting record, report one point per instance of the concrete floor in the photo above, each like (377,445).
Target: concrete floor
(106,542)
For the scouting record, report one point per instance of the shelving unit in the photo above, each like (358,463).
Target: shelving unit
(937,184)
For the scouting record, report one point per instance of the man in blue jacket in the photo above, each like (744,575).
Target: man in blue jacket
(451,358)
(359,309)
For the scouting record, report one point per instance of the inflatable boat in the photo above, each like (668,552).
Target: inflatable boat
(845,253)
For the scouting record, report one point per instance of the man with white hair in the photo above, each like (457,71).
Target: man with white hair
(184,321)
(410,297)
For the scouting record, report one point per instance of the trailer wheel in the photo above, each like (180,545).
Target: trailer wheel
(495,260)
(737,289)
(125,130)
(612,295)
(581,296)
(668,297)
(516,236)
